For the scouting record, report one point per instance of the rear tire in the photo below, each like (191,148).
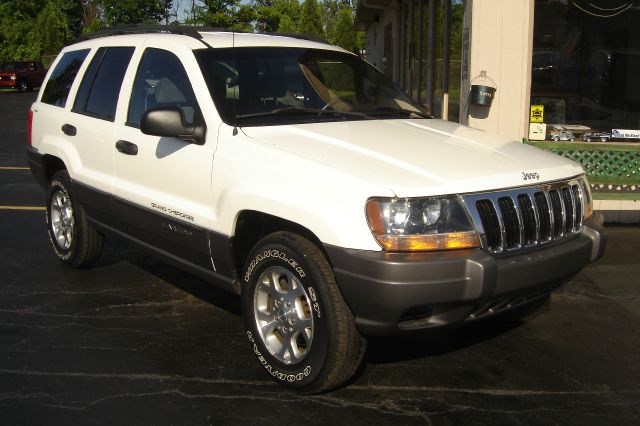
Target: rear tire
(23,86)
(298,325)
(73,239)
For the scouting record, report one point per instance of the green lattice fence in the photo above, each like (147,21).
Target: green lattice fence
(613,169)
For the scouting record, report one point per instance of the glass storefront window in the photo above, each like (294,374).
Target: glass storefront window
(586,67)
(414,67)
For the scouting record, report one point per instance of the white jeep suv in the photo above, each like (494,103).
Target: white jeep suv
(295,174)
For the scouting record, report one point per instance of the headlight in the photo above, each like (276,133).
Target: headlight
(420,224)
(588,199)
(12,77)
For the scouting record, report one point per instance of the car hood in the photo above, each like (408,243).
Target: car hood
(417,157)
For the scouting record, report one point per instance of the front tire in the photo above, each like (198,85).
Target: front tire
(298,325)
(74,241)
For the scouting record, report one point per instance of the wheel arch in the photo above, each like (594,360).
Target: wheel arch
(52,165)
(252,226)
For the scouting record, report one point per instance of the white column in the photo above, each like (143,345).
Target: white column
(502,45)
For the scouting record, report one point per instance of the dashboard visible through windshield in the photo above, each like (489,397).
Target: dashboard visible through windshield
(270,86)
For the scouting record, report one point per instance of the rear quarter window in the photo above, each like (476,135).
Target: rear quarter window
(100,87)
(57,88)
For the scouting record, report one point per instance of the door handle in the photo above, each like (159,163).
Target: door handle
(127,147)
(69,130)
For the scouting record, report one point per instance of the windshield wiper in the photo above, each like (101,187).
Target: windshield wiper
(301,111)
(396,111)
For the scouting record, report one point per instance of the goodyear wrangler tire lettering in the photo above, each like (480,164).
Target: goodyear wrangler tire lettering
(269,368)
(288,283)
(272,254)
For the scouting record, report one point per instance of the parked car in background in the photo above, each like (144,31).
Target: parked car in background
(22,75)
(602,136)
(562,135)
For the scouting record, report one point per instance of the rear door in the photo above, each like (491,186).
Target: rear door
(89,129)
(51,106)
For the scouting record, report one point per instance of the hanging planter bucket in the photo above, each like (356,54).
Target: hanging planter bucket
(482,94)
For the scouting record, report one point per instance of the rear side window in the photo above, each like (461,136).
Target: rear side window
(57,89)
(100,87)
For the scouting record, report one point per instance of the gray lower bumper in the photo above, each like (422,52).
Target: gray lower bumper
(395,292)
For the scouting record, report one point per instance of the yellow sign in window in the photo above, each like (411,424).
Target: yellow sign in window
(537,114)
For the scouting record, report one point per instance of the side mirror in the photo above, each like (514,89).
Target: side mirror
(170,122)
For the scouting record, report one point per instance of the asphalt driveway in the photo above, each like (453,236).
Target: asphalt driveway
(135,341)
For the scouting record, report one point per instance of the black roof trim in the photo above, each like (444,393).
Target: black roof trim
(187,30)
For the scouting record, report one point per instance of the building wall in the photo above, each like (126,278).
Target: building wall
(374,38)
(373,51)
(501,45)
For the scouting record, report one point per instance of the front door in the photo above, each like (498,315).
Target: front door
(162,185)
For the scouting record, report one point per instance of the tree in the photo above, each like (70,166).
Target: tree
(173,9)
(118,12)
(269,14)
(224,14)
(32,28)
(328,10)
(244,16)
(287,25)
(52,28)
(343,32)
(16,25)
(311,19)
(91,16)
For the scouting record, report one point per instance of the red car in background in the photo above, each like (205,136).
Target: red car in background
(22,75)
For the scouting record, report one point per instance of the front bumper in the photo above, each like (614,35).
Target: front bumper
(7,84)
(395,292)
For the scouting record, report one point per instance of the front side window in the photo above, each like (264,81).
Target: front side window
(57,89)
(100,87)
(267,86)
(161,81)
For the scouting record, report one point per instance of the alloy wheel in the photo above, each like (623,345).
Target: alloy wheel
(283,315)
(62,220)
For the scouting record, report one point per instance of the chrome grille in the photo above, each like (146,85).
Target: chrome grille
(522,218)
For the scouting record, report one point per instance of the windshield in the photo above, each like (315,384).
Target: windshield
(257,86)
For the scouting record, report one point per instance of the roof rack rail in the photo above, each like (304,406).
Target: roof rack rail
(187,30)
